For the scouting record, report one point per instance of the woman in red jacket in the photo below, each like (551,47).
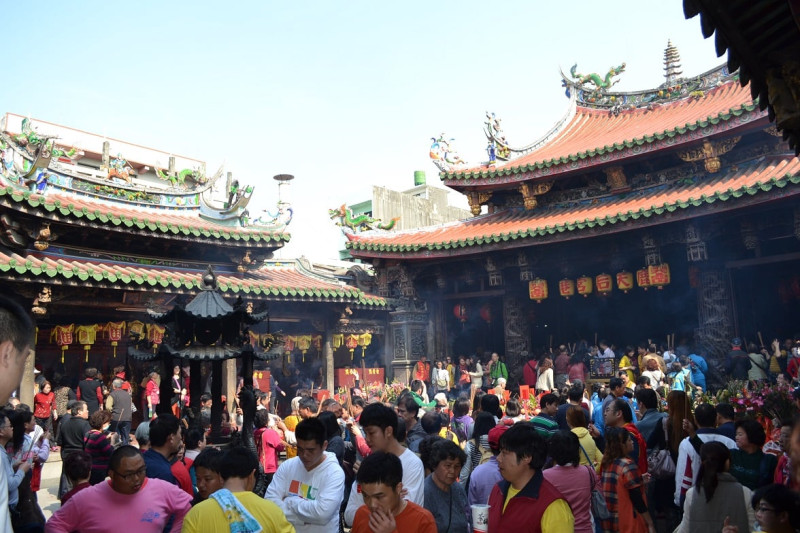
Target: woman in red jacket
(44,408)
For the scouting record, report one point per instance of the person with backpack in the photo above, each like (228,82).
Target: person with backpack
(462,423)
(477,447)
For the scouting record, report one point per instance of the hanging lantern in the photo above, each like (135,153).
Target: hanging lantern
(87,336)
(537,290)
(642,278)
(115,330)
(486,313)
(604,284)
(364,340)
(659,275)
(584,285)
(136,329)
(566,288)
(624,281)
(352,344)
(155,335)
(289,345)
(338,340)
(63,336)
(304,343)
(460,312)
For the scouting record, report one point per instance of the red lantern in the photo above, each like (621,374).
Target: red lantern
(566,287)
(486,313)
(460,312)
(643,278)
(624,281)
(603,283)
(115,331)
(537,290)
(352,344)
(584,284)
(659,275)
(63,336)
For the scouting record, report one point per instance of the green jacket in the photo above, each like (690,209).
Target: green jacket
(421,402)
(499,370)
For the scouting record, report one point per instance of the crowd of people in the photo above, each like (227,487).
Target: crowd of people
(639,451)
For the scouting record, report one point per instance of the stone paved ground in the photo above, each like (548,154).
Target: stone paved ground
(48,493)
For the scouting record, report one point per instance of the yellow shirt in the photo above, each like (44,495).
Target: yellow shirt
(291,422)
(208,517)
(557,517)
(626,361)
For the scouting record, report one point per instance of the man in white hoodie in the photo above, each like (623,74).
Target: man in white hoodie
(309,488)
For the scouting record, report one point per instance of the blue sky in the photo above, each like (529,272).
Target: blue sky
(344,95)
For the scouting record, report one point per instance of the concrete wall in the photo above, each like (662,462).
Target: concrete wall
(418,207)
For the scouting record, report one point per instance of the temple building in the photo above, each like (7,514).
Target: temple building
(656,214)
(97,231)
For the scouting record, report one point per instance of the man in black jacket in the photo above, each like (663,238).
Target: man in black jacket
(70,438)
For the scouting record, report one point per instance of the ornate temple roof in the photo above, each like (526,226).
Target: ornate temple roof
(760,181)
(622,125)
(283,281)
(763,42)
(129,217)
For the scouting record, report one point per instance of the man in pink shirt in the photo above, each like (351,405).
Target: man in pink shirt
(128,500)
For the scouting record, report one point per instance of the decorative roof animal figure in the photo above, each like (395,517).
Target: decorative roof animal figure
(600,84)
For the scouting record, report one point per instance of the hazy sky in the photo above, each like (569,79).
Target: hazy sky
(344,95)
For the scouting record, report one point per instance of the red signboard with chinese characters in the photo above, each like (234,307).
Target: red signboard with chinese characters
(566,288)
(603,283)
(659,275)
(346,377)
(643,278)
(624,281)
(537,290)
(584,285)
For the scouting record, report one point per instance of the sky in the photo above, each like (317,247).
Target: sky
(342,95)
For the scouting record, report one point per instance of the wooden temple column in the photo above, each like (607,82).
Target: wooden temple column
(216,406)
(409,338)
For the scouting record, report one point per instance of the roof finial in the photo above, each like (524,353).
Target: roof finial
(672,64)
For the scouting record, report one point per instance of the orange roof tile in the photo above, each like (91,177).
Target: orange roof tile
(286,281)
(631,132)
(177,221)
(532,227)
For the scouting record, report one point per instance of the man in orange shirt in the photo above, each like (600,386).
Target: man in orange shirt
(380,482)
(422,371)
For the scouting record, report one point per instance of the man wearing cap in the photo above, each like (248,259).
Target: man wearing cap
(486,476)
(737,362)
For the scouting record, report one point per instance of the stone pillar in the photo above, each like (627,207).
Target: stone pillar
(26,386)
(327,360)
(229,384)
(515,332)
(171,167)
(409,340)
(714,313)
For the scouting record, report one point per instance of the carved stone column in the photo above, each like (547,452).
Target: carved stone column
(715,318)
(515,331)
(26,386)
(409,340)
(327,360)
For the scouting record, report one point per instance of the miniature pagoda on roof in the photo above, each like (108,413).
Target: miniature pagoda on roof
(677,202)
(96,231)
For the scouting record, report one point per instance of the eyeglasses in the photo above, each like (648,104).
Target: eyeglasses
(133,475)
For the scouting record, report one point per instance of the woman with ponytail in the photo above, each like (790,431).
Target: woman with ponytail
(717,498)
